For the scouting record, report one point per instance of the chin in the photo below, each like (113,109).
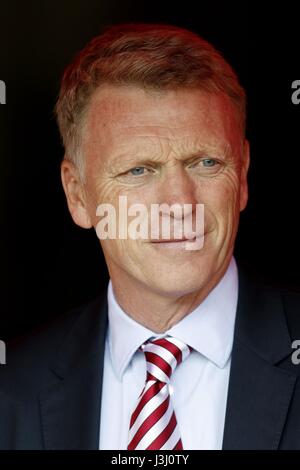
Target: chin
(172,285)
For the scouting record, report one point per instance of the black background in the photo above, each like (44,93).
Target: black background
(47,263)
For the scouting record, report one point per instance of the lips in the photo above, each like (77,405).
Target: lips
(178,240)
(173,240)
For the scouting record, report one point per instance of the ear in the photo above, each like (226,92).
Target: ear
(75,194)
(244,172)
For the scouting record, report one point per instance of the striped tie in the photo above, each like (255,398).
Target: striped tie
(153,424)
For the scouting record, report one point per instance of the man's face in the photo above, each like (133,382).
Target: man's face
(183,147)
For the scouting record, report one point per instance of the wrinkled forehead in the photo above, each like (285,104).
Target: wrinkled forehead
(131,117)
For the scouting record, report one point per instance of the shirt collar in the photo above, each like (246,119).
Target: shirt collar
(208,329)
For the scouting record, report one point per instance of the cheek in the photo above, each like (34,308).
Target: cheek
(116,252)
(221,198)
(229,208)
(99,192)
(125,254)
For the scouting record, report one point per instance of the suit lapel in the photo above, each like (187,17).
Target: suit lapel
(259,392)
(71,403)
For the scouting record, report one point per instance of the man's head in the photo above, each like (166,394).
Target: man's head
(154,113)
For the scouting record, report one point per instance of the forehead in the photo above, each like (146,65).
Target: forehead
(126,117)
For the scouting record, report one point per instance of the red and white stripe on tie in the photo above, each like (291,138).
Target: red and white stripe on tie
(153,424)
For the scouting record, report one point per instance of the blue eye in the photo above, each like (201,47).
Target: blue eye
(137,171)
(209,162)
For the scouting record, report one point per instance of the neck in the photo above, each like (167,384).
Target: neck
(157,311)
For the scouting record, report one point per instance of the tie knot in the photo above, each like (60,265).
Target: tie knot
(163,355)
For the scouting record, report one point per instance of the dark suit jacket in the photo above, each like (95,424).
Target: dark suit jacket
(50,387)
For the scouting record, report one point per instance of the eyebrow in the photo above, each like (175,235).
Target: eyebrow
(126,160)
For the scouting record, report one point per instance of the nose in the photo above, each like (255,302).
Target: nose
(177,187)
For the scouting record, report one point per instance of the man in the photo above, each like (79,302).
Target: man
(184,352)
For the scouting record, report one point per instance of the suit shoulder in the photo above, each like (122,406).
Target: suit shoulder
(29,358)
(291,304)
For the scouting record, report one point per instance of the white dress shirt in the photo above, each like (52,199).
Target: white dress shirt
(199,384)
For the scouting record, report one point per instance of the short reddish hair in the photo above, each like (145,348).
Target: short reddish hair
(151,56)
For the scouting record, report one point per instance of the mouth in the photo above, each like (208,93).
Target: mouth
(171,240)
(174,243)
